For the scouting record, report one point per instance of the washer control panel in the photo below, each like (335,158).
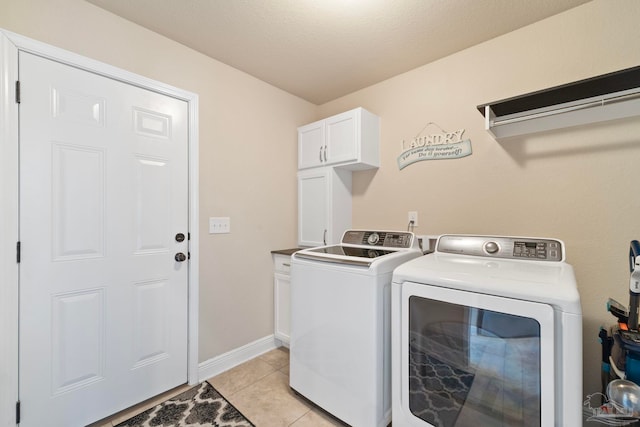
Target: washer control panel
(387,239)
(524,248)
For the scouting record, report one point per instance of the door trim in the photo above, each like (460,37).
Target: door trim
(10,45)
(9,232)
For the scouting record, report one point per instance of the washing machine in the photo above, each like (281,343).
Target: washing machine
(340,349)
(487,331)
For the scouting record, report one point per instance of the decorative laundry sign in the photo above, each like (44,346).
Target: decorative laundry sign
(436,146)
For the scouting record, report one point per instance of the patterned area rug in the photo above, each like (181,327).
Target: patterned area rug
(200,406)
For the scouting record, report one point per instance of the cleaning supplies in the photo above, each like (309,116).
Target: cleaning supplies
(634,285)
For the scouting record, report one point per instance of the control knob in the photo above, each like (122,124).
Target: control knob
(491,247)
(373,238)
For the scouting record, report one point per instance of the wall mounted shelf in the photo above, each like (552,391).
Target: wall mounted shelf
(607,97)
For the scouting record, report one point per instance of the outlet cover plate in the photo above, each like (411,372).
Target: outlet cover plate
(413,216)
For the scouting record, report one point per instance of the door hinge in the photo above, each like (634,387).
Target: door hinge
(17,91)
(18,252)
(18,412)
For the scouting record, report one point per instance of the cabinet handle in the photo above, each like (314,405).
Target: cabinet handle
(324,237)
(325,153)
(286,265)
(320,154)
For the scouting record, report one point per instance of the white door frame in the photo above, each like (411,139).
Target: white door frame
(10,45)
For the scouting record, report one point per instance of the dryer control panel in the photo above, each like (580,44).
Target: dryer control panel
(522,248)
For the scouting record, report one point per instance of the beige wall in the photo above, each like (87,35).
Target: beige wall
(574,184)
(579,185)
(247,156)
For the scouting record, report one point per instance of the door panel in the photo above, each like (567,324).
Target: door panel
(77,336)
(78,202)
(152,192)
(103,190)
(150,325)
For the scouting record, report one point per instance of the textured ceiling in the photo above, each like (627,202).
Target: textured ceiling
(320,50)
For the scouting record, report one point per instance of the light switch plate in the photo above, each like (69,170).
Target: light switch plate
(219,225)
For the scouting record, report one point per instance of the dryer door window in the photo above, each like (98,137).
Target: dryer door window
(469,364)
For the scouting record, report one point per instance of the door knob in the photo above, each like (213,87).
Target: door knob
(180,257)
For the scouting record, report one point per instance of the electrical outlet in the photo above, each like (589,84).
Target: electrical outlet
(413,216)
(219,225)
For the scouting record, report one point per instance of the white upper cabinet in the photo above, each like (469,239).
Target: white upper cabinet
(311,145)
(350,140)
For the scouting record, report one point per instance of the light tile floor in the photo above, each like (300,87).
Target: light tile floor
(260,390)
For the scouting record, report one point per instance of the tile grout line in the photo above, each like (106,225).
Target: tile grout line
(300,417)
(252,383)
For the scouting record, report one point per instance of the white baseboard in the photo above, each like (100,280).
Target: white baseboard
(235,357)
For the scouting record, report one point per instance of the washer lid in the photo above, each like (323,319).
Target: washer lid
(363,248)
(342,254)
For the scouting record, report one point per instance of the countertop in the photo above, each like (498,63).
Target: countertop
(288,252)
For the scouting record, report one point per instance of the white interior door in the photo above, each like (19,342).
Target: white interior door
(103,194)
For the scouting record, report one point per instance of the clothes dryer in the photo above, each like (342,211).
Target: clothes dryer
(487,331)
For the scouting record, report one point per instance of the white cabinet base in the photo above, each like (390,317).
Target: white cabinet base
(282,307)
(281,297)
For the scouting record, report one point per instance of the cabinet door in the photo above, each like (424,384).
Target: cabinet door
(311,145)
(342,137)
(324,205)
(313,188)
(282,306)
(349,140)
